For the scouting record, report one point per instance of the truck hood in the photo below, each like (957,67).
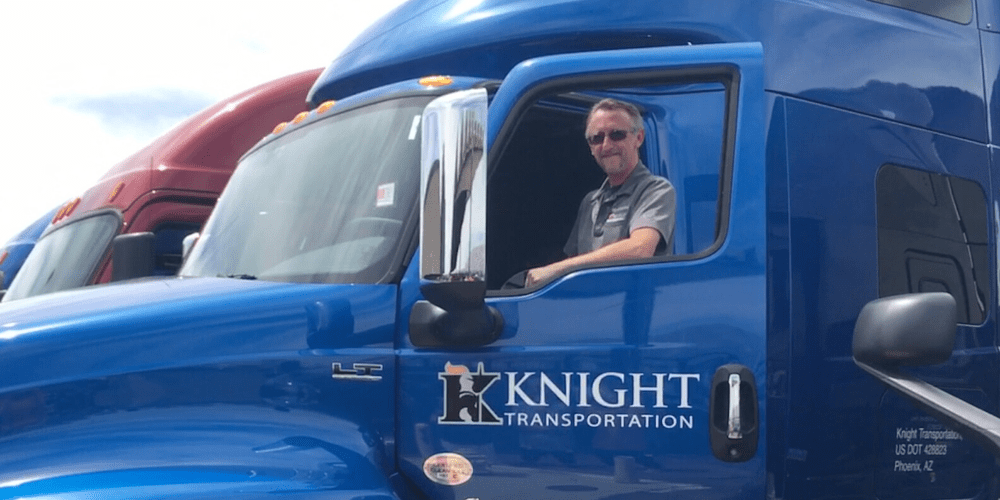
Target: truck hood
(196,388)
(159,324)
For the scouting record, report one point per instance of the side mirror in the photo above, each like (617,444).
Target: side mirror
(453,225)
(132,256)
(453,188)
(913,330)
(187,244)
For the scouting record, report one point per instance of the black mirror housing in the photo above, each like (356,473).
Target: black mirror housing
(133,256)
(432,326)
(455,314)
(906,330)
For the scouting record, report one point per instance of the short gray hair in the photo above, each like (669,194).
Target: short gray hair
(609,104)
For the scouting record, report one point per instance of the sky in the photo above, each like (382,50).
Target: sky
(88,83)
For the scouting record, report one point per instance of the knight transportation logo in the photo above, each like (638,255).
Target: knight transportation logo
(463,396)
(569,399)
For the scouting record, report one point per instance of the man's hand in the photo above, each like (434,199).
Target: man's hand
(640,244)
(540,274)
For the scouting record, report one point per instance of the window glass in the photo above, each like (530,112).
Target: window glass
(66,257)
(331,202)
(167,246)
(932,237)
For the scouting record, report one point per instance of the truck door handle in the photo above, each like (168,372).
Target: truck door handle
(734,414)
(733,429)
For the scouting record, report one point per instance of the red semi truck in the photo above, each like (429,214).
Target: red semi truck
(145,205)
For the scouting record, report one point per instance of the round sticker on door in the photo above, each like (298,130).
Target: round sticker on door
(450,469)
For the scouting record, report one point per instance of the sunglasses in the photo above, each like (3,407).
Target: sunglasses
(615,135)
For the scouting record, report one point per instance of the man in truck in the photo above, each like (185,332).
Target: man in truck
(631,216)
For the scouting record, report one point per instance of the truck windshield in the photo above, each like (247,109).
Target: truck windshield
(66,257)
(330,202)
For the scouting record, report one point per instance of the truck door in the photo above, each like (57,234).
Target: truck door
(633,379)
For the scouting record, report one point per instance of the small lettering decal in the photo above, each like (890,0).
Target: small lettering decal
(917,447)
(358,371)
(449,469)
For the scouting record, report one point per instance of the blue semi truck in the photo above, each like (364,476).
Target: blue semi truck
(825,326)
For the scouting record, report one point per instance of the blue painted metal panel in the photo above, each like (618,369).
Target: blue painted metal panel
(855,54)
(879,60)
(252,454)
(779,287)
(229,384)
(988,15)
(991,74)
(685,137)
(832,437)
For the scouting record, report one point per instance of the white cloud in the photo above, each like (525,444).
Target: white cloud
(63,60)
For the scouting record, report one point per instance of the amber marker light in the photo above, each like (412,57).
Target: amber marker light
(435,81)
(115,191)
(279,127)
(301,117)
(58,215)
(72,206)
(323,108)
(65,210)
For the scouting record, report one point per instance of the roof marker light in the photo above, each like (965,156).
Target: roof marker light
(72,206)
(322,108)
(435,81)
(116,191)
(279,127)
(301,117)
(63,211)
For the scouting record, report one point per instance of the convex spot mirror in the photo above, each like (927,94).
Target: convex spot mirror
(906,330)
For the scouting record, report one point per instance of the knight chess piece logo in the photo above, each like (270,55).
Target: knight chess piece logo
(463,396)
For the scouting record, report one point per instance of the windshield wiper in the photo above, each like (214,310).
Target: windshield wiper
(239,276)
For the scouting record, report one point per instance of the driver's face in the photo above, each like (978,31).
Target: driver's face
(616,158)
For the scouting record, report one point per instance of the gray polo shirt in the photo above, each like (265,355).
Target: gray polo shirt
(610,214)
